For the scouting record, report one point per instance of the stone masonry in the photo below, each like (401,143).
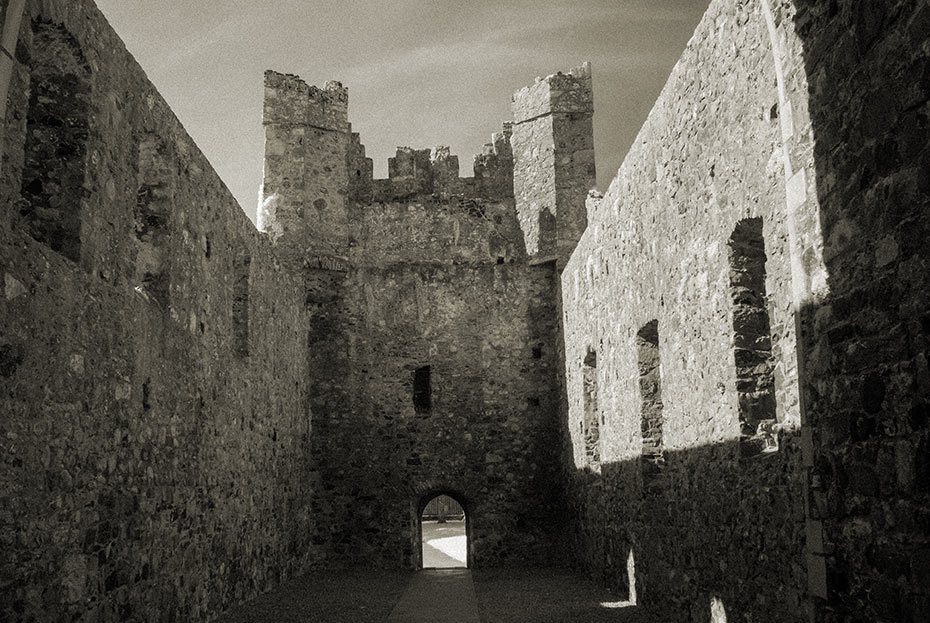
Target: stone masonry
(154,466)
(428,275)
(708,387)
(769,228)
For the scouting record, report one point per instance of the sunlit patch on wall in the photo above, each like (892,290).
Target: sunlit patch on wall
(631,577)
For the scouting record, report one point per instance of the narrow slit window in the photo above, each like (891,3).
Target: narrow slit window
(240,307)
(591,429)
(752,341)
(422,390)
(57,131)
(650,390)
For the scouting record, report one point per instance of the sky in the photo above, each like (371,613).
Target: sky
(419,74)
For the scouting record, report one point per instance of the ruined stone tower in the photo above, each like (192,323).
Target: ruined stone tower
(418,285)
(306,181)
(553,143)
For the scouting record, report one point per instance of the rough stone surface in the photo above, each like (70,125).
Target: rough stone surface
(653,269)
(553,146)
(810,117)
(430,271)
(867,338)
(148,472)
(709,386)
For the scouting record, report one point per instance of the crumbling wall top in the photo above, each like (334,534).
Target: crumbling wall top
(413,172)
(292,105)
(569,92)
(291,101)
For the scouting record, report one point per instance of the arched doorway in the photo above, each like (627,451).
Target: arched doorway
(443,523)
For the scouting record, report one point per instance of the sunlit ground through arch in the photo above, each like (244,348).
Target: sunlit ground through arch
(444,535)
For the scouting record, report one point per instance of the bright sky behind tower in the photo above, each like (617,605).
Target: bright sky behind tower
(419,74)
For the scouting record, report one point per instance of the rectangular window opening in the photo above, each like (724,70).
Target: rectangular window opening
(752,341)
(154,199)
(422,390)
(590,427)
(650,390)
(240,305)
(57,131)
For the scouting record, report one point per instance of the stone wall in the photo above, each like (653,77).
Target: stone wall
(457,295)
(432,274)
(553,145)
(743,414)
(306,166)
(486,334)
(682,497)
(153,467)
(797,131)
(866,336)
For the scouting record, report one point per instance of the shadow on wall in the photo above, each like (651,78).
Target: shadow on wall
(703,546)
(708,527)
(867,385)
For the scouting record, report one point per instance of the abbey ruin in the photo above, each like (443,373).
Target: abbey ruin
(708,385)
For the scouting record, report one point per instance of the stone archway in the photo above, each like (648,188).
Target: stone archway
(446,547)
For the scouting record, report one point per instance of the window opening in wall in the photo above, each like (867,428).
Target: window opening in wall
(146,395)
(153,205)
(57,130)
(630,600)
(422,390)
(444,534)
(650,391)
(240,305)
(591,429)
(752,341)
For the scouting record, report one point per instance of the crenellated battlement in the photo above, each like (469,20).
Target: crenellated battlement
(303,120)
(416,172)
(317,169)
(716,372)
(494,165)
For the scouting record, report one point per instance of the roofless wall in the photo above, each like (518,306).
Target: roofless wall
(153,370)
(749,285)
(732,365)
(433,335)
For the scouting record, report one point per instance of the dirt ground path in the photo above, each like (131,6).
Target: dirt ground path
(502,596)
